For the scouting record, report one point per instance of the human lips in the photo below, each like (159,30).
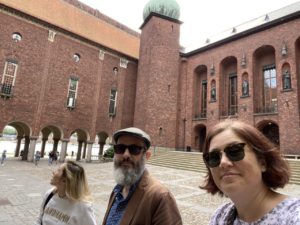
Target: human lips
(228,175)
(127,163)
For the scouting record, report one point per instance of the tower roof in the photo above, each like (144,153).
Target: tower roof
(169,8)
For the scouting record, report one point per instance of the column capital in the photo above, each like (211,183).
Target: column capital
(65,140)
(33,137)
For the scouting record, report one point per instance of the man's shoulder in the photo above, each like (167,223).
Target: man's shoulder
(153,185)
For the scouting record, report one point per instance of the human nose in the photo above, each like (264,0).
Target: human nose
(225,161)
(126,154)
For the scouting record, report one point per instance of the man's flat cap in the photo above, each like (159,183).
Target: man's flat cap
(133,131)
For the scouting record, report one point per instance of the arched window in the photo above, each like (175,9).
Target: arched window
(16,36)
(286,80)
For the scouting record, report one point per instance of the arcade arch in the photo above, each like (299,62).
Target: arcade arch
(82,140)
(23,134)
(102,140)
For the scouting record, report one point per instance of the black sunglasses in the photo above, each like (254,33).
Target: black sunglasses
(234,152)
(133,149)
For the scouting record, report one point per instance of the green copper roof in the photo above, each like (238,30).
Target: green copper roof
(169,8)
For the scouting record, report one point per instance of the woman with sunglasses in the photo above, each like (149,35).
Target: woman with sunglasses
(246,167)
(69,201)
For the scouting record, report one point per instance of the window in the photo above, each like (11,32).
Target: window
(232,101)
(115,70)
(112,102)
(72,93)
(270,92)
(204,99)
(16,37)
(76,57)
(8,78)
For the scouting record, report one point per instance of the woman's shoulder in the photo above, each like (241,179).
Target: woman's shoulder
(222,213)
(84,204)
(286,212)
(292,204)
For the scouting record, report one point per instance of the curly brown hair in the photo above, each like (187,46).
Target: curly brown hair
(277,172)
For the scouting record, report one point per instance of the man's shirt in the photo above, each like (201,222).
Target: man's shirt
(118,208)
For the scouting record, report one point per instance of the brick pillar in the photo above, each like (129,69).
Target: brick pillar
(31,151)
(63,150)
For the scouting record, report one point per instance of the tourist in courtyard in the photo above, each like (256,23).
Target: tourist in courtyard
(51,157)
(246,167)
(3,157)
(69,201)
(137,198)
(37,157)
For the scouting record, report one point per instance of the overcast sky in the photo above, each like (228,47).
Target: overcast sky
(201,19)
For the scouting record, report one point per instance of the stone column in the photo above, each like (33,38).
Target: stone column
(84,150)
(55,144)
(30,156)
(17,152)
(89,152)
(44,140)
(78,157)
(101,147)
(26,147)
(63,150)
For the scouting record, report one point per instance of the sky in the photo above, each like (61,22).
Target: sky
(201,19)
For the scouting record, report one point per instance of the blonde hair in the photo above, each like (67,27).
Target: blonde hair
(76,183)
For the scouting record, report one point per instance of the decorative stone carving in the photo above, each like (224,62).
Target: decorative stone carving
(51,35)
(101,54)
(123,63)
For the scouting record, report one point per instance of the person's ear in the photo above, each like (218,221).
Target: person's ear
(148,154)
(263,166)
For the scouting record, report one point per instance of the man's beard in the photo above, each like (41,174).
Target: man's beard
(127,176)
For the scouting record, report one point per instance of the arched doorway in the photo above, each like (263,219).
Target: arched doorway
(271,130)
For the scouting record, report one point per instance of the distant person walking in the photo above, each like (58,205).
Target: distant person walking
(3,157)
(54,157)
(50,160)
(37,157)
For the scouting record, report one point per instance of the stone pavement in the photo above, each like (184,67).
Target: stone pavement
(23,185)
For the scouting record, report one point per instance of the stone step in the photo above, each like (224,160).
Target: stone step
(192,161)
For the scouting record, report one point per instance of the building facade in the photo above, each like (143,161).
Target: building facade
(78,71)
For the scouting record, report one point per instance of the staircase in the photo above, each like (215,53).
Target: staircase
(192,161)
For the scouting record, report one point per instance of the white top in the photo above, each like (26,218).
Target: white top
(286,212)
(61,211)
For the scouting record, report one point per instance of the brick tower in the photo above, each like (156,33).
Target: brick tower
(158,72)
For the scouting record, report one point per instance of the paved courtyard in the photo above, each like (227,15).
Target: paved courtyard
(23,185)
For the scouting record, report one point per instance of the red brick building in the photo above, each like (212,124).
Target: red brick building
(68,69)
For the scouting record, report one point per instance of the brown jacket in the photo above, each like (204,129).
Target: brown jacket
(151,204)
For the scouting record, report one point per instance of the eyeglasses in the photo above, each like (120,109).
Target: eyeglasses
(234,152)
(133,149)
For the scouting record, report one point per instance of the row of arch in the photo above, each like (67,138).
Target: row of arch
(268,127)
(227,86)
(84,141)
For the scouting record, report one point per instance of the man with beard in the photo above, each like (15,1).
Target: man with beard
(137,198)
